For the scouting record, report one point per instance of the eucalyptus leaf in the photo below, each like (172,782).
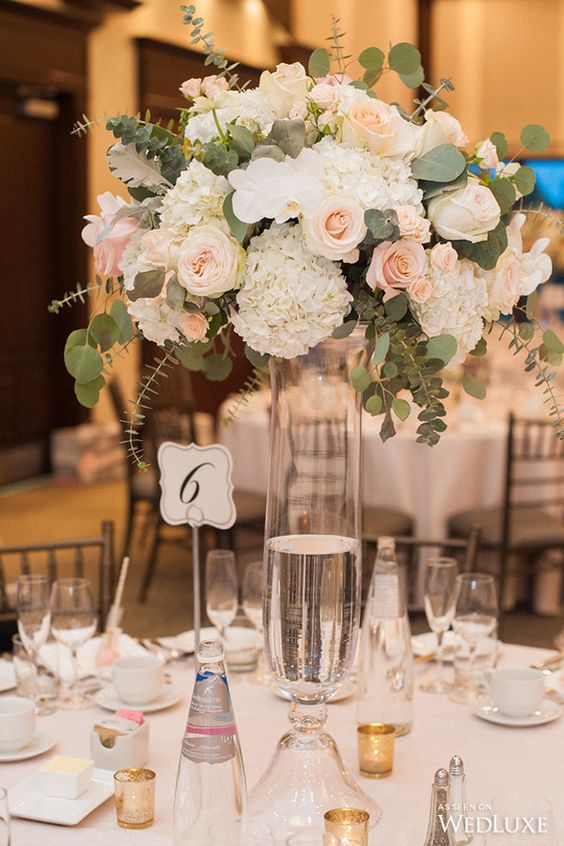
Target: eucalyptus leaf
(88,394)
(535,138)
(442,347)
(148,283)
(370,77)
(401,408)
(499,141)
(396,308)
(552,342)
(219,159)
(382,225)
(381,348)
(216,367)
(404,58)
(243,140)
(481,348)
(525,180)
(211,308)
(372,59)
(123,321)
(289,135)
(84,363)
(373,405)
(268,151)
(238,228)
(344,330)
(104,330)
(473,387)
(440,164)
(360,378)
(259,360)
(175,293)
(504,193)
(387,429)
(77,338)
(319,62)
(415,79)
(532,304)
(435,189)
(526,331)
(390,369)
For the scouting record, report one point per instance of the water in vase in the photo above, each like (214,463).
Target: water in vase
(311,613)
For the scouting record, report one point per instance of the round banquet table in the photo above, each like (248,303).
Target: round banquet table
(497,759)
(464,470)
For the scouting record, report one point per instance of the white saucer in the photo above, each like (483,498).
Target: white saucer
(41,743)
(107,698)
(547,712)
(27,800)
(348,688)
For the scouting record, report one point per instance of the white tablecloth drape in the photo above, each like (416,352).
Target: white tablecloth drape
(497,759)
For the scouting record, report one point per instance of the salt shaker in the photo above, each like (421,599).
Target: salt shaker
(457,801)
(438,832)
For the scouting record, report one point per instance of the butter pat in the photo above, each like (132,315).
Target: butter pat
(66,777)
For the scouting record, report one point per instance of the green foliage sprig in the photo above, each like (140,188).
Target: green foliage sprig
(251,386)
(214,55)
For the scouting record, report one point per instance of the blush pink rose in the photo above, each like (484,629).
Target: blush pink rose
(395,265)
(212,85)
(191,88)
(109,249)
(324,94)
(443,258)
(412,225)
(420,289)
(336,229)
(193,326)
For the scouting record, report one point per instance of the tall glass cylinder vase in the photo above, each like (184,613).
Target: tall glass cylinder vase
(313,580)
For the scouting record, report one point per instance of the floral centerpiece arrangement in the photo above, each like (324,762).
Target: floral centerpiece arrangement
(290,212)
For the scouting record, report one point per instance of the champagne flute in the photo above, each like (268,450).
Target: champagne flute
(73,622)
(475,616)
(34,613)
(221,589)
(440,598)
(253,598)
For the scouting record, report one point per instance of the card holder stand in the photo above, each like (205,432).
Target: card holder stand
(129,750)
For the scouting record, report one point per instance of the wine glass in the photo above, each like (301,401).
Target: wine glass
(221,588)
(440,598)
(475,616)
(34,613)
(253,598)
(73,622)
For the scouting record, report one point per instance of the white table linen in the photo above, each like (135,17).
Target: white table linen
(497,759)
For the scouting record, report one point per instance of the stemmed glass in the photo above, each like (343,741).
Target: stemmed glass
(475,616)
(34,615)
(253,598)
(73,622)
(440,598)
(221,589)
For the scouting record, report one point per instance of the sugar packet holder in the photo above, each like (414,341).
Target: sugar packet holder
(120,742)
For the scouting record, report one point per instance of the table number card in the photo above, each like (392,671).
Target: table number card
(196,485)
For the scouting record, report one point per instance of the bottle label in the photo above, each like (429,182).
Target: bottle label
(210,732)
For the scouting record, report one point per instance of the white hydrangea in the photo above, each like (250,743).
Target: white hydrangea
(249,108)
(290,300)
(197,196)
(156,319)
(458,300)
(377,183)
(132,261)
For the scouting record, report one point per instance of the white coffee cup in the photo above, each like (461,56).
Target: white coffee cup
(517,692)
(138,679)
(17,722)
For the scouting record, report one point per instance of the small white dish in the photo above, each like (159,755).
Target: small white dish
(7,676)
(546,713)
(41,743)
(108,698)
(27,800)
(348,688)
(186,641)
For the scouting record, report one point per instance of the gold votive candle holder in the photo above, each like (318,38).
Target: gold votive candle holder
(346,827)
(376,749)
(135,797)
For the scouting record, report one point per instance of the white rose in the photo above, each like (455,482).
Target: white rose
(467,214)
(212,85)
(443,258)
(335,229)
(324,95)
(373,124)
(440,128)
(210,262)
(284,87)
(412,225)
(486,152)
(191,88)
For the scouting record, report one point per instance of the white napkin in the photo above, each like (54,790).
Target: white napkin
(57,657)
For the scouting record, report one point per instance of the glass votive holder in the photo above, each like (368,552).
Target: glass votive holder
(241,646)
(135,797)
(33,679)
(376,749)
(346,827)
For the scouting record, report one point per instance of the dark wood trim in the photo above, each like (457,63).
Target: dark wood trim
(40,14)
(108,5)
(424,38)
(295,52)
